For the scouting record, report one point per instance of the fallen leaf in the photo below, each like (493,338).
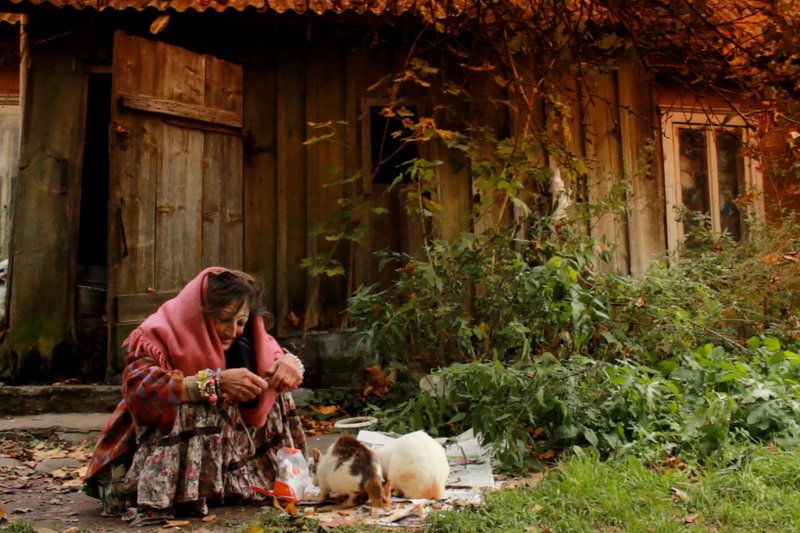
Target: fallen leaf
(291,508)
(772,258)
(22,510)
(680,494)
(255,529)
(2,515)
(324,409)
(178,522)
(208,518)
(640,301)
(73,529)
(791,256)
(549,454)
(692,518)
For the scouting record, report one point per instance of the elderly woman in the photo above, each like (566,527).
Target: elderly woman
(205,405)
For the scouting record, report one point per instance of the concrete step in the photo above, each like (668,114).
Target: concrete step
(37,399)
(78,427)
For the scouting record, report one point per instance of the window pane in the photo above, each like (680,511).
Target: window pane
(694,172)
(390,150)
(730,166)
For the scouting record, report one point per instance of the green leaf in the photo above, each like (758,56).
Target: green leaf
(590,436)
(555,261)
(776,357)
(771,343)
(754,343)
(457,418)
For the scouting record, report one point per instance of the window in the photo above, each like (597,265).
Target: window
(385,151)
(706,169)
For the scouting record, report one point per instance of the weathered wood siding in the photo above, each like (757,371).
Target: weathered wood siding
(176,186)
(288,191)
(296,74)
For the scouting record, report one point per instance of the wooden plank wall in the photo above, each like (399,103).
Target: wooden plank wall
(314,81)
(290,193)
(264,236)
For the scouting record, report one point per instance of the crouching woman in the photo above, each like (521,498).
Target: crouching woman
(206,405)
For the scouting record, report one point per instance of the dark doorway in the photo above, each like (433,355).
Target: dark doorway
(91,327)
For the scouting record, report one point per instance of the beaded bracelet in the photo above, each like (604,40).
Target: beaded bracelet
(300,364)
(207,385)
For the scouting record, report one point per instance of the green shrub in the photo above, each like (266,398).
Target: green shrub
(691,407)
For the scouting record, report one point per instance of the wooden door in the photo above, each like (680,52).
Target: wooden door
(176,190)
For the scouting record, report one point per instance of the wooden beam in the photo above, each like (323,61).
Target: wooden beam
(132,307)
(172,108)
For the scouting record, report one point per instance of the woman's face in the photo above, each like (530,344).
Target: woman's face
(230,323)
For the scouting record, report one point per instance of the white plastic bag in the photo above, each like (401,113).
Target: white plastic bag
(293,475)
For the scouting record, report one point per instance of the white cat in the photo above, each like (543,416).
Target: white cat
(415,465)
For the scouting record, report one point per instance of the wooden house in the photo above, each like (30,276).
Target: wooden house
(162,136)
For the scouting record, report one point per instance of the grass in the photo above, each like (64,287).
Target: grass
(753,492)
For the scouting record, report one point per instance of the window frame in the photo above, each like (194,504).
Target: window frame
(711,120)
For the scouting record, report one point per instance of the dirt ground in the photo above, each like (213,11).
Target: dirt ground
(40,481)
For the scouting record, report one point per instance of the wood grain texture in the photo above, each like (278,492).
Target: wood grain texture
(176,186)
(603,147)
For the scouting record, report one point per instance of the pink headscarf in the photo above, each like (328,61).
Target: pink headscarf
(180,337)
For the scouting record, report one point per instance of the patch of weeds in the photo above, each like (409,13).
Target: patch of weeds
(757,490)
(274,521)
(18,526)
(277,521)
(348,402)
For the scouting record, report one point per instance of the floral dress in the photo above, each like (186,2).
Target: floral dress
(157,456)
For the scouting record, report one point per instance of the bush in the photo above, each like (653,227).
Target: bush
(537,348)
(691,407)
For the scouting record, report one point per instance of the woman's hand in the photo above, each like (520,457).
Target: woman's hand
(284,374)
(240,384)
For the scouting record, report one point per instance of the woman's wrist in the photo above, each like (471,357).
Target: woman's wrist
(190,386)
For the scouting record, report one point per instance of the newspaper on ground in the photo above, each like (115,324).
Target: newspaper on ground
(470,475)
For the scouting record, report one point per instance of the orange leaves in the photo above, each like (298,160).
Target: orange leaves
(324,409)
(773,258)
(379,380)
